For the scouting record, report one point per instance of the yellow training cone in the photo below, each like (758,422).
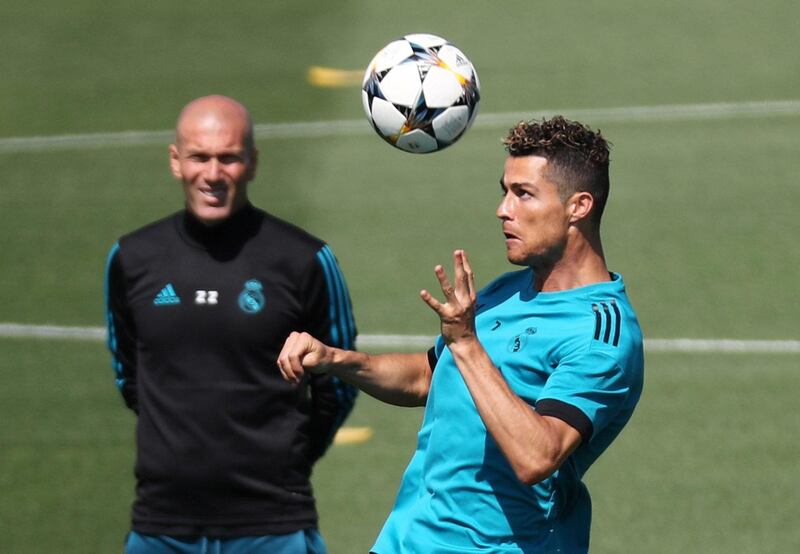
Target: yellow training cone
(353,435)
(333,78)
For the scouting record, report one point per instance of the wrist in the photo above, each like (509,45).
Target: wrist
(340,361)
(465,347)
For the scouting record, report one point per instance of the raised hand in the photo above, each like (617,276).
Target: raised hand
(457,313)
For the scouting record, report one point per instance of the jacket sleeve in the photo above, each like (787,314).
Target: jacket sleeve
(330,318)
(121,330)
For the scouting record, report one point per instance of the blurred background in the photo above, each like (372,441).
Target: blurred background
(700,100)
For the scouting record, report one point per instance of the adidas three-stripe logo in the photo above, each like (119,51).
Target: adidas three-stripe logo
(167,296)
(607,321)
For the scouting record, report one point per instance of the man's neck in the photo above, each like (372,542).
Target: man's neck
(581,264)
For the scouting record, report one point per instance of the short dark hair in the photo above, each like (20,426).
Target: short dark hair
(577,157)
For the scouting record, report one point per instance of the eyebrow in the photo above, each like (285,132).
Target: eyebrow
(223,152)
(518,184)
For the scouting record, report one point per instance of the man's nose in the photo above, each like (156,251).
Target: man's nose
(503,210)
(213,170)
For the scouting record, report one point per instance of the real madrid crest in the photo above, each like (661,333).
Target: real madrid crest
(251,299)
(519,341)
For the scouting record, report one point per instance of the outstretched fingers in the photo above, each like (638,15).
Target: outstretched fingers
(448,289)
(457,311)
(464,270)
(428,298)
(457,297)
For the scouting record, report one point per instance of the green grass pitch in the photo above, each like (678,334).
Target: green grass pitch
(705,465)
(702,222)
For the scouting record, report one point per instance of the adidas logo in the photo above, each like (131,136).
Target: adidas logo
(607,319)
(167,297)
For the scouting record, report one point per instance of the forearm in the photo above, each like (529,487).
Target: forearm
(400,379)
(534,445)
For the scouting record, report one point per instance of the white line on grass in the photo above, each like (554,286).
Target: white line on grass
(424,341)
(314,129)
(51,332)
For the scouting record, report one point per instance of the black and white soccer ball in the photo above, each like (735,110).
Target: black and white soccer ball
(420,93)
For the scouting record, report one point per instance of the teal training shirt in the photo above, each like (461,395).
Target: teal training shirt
(574,354)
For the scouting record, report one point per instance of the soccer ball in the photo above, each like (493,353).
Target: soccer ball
(420,93)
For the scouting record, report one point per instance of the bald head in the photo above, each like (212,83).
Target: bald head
(209,114)
(214,157)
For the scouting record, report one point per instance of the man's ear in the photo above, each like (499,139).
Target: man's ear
(175,162)
(251,172)
(580,206)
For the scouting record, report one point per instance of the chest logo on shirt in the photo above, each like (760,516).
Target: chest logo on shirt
(167,296)
(251,299)
(519,341)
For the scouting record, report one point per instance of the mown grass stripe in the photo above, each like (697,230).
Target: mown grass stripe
(315,129)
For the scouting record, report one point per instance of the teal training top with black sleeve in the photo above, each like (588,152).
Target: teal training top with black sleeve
(575,355)
(196,318)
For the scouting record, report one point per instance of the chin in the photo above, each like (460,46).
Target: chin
(518,262)
(516,259)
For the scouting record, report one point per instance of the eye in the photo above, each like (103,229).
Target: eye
(228,159)
(198,158)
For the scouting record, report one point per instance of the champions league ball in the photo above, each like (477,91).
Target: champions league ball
(420,93)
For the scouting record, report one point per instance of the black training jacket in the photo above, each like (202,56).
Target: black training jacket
(196,319)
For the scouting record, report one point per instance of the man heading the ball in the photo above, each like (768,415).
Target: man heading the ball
(531,378)
(199,305)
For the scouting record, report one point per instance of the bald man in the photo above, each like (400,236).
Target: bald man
(198,306)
